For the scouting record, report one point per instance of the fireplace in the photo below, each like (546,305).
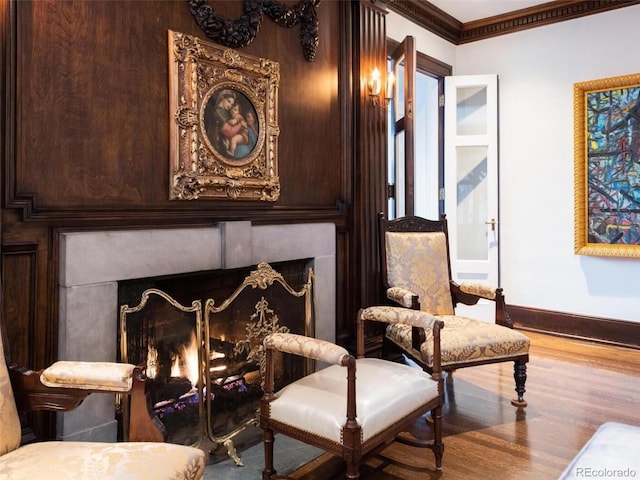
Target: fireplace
(92,264)
(203,356)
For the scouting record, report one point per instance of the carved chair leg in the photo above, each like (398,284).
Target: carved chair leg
(438,446)
(352,470)
(449,376)
(520,376)
(269,472)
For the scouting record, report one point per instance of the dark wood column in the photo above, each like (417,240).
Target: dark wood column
(369,182)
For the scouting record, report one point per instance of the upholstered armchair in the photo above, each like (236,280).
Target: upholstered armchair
(63,387)
(416,270)
(354,406)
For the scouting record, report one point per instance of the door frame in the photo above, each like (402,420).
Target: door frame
(438,70)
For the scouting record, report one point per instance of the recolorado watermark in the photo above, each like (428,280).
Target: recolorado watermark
(589,472)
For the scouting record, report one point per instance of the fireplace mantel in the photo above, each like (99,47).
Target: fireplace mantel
(92,263)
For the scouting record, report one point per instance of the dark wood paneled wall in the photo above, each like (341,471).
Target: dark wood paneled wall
(85,145)
(92,114)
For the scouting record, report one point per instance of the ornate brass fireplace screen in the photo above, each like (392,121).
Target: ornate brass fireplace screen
(212,358)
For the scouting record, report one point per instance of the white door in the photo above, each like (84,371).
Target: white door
(471,182)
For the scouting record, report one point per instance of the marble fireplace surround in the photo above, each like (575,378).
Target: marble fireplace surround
(92,263)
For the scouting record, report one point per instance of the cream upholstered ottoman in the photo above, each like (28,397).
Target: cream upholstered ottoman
(612,452)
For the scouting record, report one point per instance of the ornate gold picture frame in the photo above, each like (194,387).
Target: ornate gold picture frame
(607,166)
(223,122)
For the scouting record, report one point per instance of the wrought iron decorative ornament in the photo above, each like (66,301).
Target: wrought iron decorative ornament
(223,108)
(241,32)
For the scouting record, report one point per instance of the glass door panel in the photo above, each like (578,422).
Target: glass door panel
(472,204)
(471,110)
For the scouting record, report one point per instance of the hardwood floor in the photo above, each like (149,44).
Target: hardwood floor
(572,388)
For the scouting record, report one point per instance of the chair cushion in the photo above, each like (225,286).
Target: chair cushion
(612,452)
(463,340)
(386,392)
(93,461)
(103,376)
(417,261)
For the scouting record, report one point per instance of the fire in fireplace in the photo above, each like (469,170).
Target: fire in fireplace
(203,356)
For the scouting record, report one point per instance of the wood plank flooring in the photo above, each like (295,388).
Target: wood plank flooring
(572,388)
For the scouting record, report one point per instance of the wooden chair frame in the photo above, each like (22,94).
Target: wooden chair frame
(458,296)
(352,450)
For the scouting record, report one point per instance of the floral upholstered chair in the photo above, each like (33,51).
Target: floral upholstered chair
(416,269)
(55,460)
(352,407)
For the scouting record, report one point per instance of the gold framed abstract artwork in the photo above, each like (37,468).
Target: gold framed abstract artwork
(607,166)
(223,114)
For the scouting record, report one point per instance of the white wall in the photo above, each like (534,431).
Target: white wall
(537,69)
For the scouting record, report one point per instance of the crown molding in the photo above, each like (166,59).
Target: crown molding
(429,17)
(435,20)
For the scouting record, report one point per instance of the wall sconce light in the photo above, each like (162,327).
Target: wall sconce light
(375,89)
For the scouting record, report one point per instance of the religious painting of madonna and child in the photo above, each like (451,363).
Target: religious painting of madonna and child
(231,124)
(607,166)
(224,130)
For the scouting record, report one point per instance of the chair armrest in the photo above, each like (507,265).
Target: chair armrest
(400,315)
(469,293)
(94,376)
(480,290)
(403,297)
(307,347)
(467,296)
(31,394)
(417,319)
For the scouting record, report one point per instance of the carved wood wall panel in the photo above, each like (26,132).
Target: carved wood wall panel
(94,128)
(26,323)
(20,260)
(86,139)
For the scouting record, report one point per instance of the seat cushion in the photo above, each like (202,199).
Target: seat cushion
(463,340)
(612,452)
(386,392)
(93,461)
